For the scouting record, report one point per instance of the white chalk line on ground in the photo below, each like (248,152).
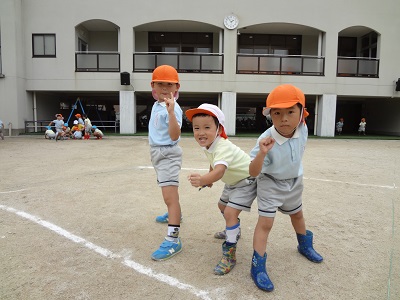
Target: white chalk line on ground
(109,254)
(15,191)
(354,183)
(307,178)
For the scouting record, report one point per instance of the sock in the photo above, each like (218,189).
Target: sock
(173,233)
(232,233)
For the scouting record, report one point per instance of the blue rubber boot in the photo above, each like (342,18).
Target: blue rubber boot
(259,272)
(305,247)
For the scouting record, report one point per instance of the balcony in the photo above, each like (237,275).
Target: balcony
(184,62)
(357,67)
(97,61)
(280,64)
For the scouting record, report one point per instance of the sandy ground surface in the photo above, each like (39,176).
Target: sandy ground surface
(77,222)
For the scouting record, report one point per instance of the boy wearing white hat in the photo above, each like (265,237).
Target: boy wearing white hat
(229,164)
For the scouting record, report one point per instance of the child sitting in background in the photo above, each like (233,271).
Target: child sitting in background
(97,132)
(76,130)
(67,131)
(49,133)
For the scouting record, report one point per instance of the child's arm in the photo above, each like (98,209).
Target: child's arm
(256,164)
(174,129)
(208,179)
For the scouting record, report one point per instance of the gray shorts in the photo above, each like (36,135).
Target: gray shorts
(273,194)
(241,195)
(167,161)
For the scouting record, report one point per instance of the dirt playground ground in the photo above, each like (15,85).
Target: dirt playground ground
(77,222)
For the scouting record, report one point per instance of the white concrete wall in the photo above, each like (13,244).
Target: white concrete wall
(127,108)
(228,107)
(326,115)
(20,19)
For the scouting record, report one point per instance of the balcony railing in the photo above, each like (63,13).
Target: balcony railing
(280,64)
(184,62)
(357,67)
(97,62)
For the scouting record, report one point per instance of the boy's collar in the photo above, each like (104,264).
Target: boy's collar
(211,149)
(280,139)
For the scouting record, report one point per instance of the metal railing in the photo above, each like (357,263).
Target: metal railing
(280,64)
(41,126)
(184,62)
(357,67)
(97,62)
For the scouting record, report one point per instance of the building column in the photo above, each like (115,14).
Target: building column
(228,107)
(127,112)
(326,113)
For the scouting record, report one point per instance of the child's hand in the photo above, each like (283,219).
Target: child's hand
(170,103)
(194,180)
(266,144)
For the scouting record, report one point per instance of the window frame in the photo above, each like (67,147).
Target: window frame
(43,35)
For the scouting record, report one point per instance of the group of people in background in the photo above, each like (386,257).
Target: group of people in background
(82,129)
(361,126)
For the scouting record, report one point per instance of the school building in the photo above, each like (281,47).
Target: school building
(97,56)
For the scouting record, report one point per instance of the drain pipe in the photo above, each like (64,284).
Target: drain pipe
(9,128)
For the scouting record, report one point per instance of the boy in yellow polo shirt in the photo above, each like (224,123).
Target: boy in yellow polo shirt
(227,163)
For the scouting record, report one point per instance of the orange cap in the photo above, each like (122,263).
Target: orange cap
(165,73)
(78,115)
(285,96)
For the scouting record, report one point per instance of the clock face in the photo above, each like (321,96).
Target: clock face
(231,22)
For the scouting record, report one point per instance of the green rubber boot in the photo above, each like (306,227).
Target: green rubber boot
(228,260)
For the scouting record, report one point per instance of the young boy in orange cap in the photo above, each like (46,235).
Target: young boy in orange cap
(166,155)
(276,160)
(229,164)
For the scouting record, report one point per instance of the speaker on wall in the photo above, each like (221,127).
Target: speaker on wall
(125,78)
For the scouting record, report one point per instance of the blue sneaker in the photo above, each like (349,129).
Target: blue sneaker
(164,218)
(167,250)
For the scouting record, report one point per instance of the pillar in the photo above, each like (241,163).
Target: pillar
(127,111)
(228,107)
(326,113)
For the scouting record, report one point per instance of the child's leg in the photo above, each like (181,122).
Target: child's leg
(259,260)
(261,232)
(298,222)
(172,244)
(305,238)
(171,199)
(228,260)
(221,234)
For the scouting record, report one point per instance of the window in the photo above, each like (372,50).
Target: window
(180,42)
(82,45)
(270,44)
(347,46)
(44,45)
(369,45)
